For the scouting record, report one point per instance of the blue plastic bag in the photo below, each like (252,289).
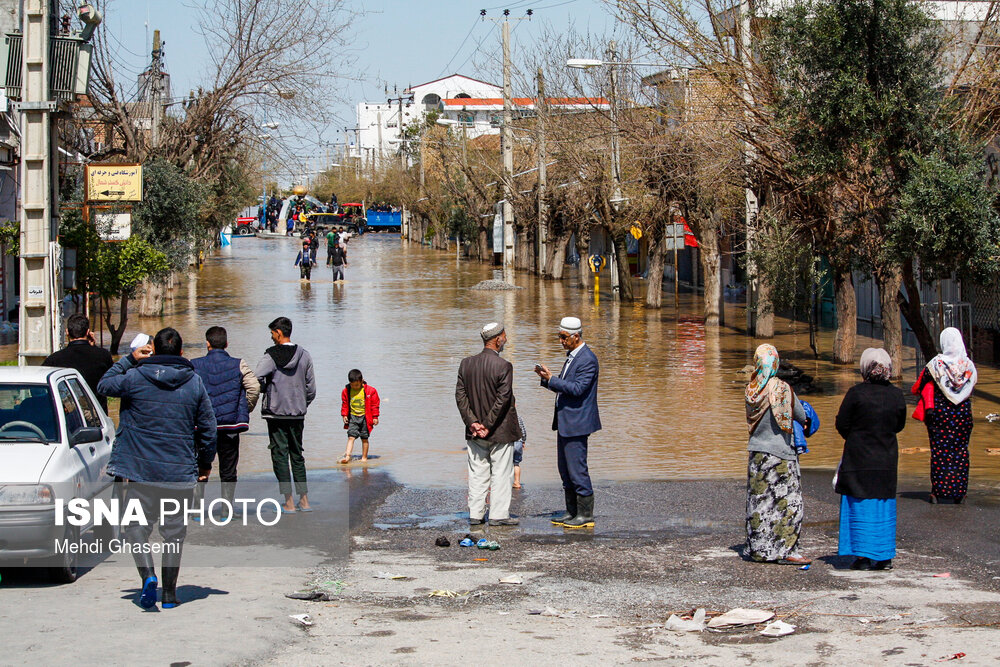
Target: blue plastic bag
(800,432)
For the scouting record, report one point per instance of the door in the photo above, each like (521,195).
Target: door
(92,418)
(85,462)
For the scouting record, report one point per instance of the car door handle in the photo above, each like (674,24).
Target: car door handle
(93,450)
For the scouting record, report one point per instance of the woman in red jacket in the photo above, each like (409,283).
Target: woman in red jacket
(945,387)
(360,412)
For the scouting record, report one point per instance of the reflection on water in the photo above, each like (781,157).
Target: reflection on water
(670,396)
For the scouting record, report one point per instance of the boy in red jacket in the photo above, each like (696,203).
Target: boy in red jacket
(360,412)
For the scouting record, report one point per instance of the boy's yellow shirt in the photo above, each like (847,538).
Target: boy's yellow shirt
(357,401)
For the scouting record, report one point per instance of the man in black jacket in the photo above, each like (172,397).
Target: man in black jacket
(485,397)
(82,353)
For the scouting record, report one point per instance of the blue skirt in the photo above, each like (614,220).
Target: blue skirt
(868,527)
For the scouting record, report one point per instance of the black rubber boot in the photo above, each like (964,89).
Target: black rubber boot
(147,575)
(144,563)
(585,514)
(862,563)
(170,569)
(570,509)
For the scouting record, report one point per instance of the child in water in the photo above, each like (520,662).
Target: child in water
(304,260)
(360,410)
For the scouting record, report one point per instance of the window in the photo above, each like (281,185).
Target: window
(90,413)
(74,420)
(431,101)
(463,96)
(30,404)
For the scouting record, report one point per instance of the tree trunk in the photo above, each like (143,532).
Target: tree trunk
(711,270)
(116,331)
(583,249)
(625,290)
(889,281)
(483,247)
(522,249)
(909,304)
(846,303)
(654,273)
(556,262)
(764,310)
(151,301)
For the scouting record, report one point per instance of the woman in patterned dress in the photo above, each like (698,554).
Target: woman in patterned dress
(774,493)
(945,386)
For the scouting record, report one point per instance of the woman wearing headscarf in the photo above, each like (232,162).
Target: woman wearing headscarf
(774,493)
(870,416)
(944,387)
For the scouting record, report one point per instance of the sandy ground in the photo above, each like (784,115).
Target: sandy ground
(658,549)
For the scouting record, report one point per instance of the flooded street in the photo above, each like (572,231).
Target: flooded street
(671,396)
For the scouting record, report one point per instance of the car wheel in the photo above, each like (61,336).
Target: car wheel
(64,570)
(244,230)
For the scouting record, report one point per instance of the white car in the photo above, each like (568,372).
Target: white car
(55,442)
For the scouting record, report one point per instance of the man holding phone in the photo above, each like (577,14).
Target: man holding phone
(575,418)
(485,397)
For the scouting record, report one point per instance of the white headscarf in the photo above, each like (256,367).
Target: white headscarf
(953,371)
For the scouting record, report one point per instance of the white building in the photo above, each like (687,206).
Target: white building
(379,123)
(475,106)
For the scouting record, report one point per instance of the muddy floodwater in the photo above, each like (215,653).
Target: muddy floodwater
(671,392)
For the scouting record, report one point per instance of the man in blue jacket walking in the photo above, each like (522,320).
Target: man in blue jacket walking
(234,390)
(575,418)
(164,446)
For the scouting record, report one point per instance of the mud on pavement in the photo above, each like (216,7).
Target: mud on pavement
(658,549)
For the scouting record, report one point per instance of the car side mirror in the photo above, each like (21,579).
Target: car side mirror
(84,435)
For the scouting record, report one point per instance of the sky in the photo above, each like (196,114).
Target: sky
(400,42)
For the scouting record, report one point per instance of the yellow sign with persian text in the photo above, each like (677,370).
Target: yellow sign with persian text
(114,182)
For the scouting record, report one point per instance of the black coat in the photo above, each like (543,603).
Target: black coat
(92,362)
(869,419)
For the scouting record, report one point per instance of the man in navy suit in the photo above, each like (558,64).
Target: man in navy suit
(575,418)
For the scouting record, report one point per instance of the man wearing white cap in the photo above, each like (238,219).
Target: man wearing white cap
(575,418)
(485,397)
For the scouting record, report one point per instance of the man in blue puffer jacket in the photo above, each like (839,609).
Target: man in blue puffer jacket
(234,390)
(165,445)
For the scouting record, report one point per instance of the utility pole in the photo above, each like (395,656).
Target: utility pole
(400,125)
(357,148)
(41,294)
(507,144)
(379,120)
(541,109)
(616,168)
(156,91)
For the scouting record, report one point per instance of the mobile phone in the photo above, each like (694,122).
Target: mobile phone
(538,367)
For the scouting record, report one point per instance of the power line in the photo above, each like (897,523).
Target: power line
(475,22)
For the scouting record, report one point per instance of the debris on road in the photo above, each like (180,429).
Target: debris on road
(309,596)
(442,541)
(695,624)
(512,579)
(739,616)
(943,575)
(302,619)
(389,575)
(777,629)
(880,619)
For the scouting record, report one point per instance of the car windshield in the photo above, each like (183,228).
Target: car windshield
(27,413)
